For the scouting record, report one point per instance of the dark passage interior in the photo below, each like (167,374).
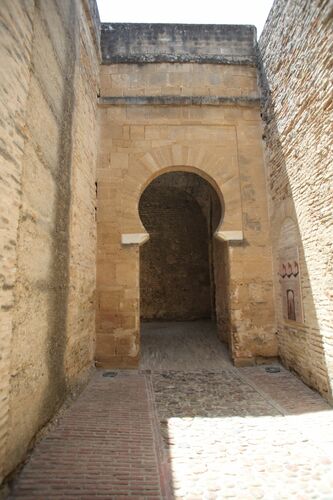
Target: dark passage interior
(180,211)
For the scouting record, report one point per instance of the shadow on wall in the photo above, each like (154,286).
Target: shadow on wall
(58,301)
(38,385)
(301,337)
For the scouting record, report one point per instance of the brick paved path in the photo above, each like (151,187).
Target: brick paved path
(227,433)
(104,447)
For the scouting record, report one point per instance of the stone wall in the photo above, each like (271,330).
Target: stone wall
(49,60)
(296,54)
(15,71)
(142,43)
(173,97)
(216,134)
(178,79)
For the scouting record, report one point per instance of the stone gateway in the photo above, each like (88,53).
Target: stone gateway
(156,172)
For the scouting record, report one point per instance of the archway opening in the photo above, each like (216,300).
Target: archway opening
(182,267)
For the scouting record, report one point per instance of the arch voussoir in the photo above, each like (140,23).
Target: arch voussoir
(197,160)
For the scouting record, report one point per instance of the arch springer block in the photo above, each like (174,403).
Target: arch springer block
(229,235)
(134,238)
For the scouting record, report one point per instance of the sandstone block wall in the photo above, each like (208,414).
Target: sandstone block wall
(178,79)
(49,82)
(296,54)
(219,139)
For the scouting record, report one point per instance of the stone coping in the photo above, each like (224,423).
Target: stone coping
(178,43)
(178,100)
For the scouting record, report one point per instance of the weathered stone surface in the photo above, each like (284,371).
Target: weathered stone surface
(178,83)
(48,132)
(15,63)
(174,132)
(296,54)
(146,43)
(222,145)
(180,100)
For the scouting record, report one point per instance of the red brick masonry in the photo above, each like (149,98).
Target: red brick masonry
(189,435)
(104,447)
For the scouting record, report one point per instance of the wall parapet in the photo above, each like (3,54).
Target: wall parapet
(178,43)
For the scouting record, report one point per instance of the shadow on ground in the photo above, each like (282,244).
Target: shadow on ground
(234,433)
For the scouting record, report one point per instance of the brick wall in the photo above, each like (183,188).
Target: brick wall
(48,98)
(296,53)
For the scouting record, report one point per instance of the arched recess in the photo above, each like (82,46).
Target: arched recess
(180,211)
(183,267)
(179,158)
(120,234)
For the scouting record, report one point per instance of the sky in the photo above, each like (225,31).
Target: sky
(186,11)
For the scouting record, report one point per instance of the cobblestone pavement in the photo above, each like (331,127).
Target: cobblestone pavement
(227,440)
(235,433)
(189,426)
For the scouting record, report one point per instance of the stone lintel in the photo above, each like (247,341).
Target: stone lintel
(134,238)
(141,238)
(230,235)
(172,100)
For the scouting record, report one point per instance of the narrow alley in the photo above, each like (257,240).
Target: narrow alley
(187,426)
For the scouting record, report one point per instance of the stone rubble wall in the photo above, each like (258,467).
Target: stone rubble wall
(175,268)
(49,61)
(296,56)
